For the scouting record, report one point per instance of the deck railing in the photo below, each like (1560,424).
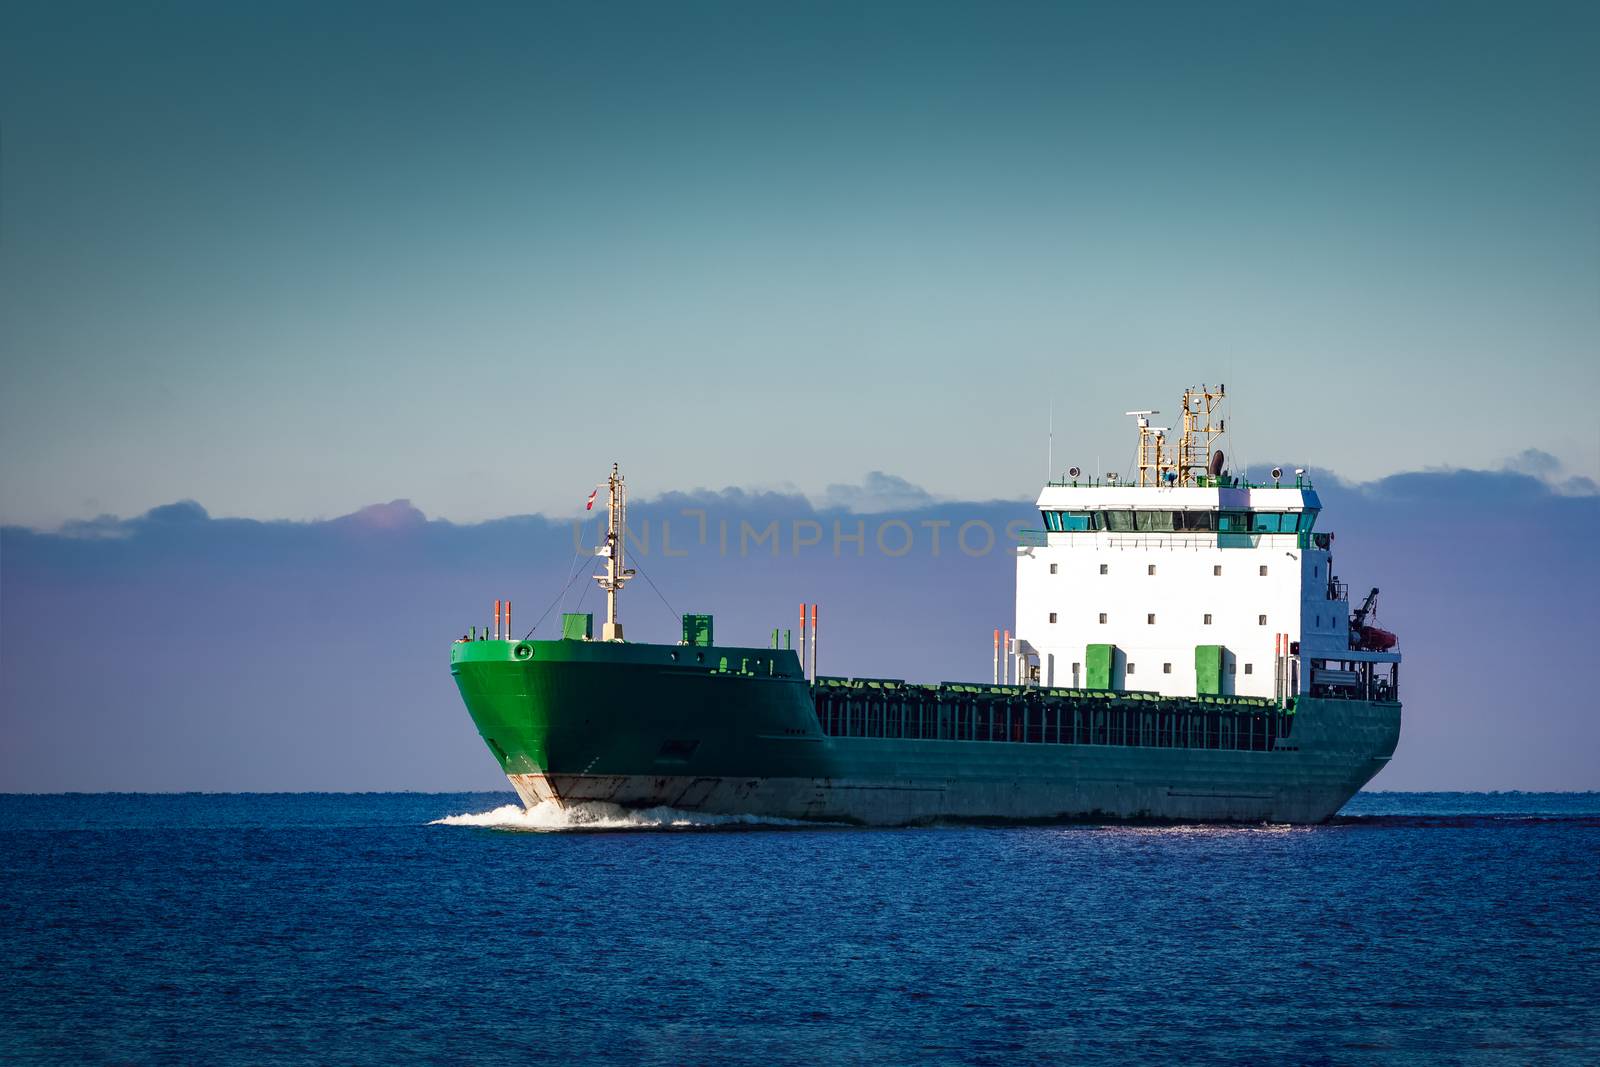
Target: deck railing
(895,711)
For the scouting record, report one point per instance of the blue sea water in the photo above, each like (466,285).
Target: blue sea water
(1440,928)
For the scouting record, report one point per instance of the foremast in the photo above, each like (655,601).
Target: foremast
(616,573)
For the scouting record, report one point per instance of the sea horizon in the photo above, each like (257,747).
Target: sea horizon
(508,792)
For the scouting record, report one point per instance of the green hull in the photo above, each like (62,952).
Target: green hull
(738,731)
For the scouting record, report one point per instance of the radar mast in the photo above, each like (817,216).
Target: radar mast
(1199,434)
(616,575)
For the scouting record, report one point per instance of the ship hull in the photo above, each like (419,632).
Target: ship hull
(737,731)
(1085,796)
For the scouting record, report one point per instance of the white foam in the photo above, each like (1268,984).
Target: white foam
(548,817)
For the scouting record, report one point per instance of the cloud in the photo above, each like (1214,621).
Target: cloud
(878,492)
(180,650)
(1540,464)
(395,515)
(1550,470)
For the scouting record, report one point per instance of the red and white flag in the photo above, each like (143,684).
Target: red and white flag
(590,505)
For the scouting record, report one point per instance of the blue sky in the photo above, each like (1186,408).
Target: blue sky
(294,259)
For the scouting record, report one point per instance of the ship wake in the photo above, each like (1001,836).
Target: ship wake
(600,817)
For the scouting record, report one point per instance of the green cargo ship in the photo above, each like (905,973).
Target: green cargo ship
(713,728)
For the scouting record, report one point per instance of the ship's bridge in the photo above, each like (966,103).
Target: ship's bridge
(1221,588)
(1072,508)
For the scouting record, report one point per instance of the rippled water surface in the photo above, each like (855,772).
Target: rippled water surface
(1452,928)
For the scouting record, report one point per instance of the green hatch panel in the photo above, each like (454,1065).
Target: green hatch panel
(576,627)
(1097,665)
(697,630)
(1208,670)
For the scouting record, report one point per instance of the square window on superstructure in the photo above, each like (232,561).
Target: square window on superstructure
(1208,618)
(1130,667)
(1261,620)
(1052,616)
(1166,668)
(1102,617)
(1263,570)
(1150,569)
(1233,668)
(1104,569)
(1216,570)
(1052,568)
(1249,668)
(1150,620)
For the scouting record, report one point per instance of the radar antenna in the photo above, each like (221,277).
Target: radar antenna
(1153,458)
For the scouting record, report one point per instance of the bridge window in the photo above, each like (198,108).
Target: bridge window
(1070,521)
(1272,522)
(1104,569)
(1102,617)
(1208,618)
(1118,521)
(1052,616)
(1052,568)
(1254,522)
(1249,668)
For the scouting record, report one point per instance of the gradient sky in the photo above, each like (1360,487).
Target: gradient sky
(290,259)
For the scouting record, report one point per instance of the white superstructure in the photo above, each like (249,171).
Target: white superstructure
(1187,566)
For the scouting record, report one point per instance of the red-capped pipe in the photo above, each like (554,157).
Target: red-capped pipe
(813,642)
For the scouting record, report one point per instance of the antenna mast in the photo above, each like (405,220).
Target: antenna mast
(616,575)
(1153,458)
(1199,434)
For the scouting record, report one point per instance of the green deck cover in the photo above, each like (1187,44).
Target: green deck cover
(577,627)
(1208,670)
(697,630)
(1097,665)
